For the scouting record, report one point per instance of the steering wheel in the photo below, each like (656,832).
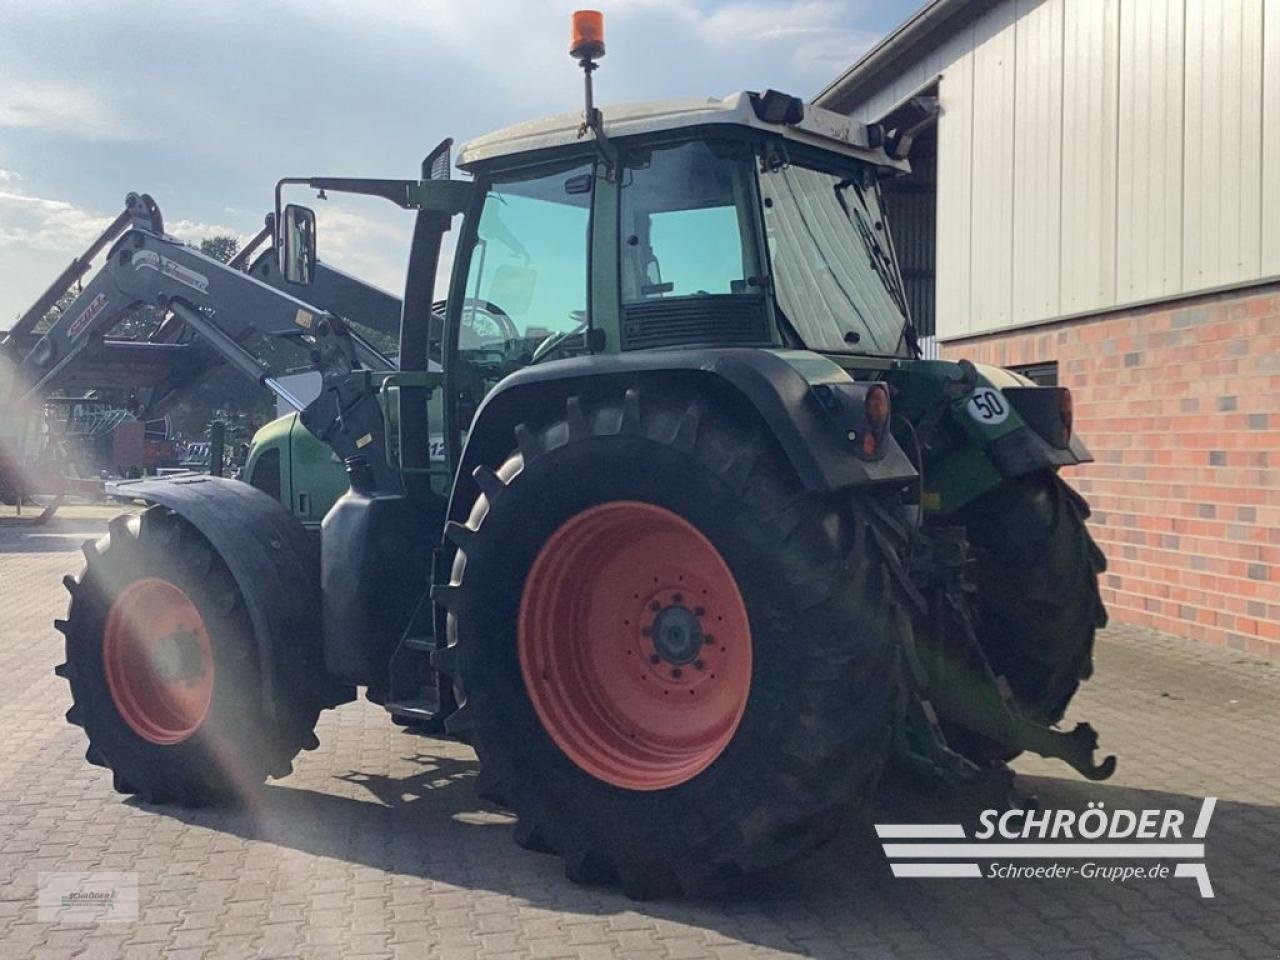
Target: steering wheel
(474,309)
(557,340)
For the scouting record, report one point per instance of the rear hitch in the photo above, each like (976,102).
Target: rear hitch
(953,676)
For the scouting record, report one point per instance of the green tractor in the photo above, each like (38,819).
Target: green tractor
(660,511)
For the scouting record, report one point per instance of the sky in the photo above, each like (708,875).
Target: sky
(204,105)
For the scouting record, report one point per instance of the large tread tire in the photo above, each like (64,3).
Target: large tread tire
(236,746)
(826,626)
(1038,604)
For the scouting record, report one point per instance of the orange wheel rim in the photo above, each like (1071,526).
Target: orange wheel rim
(158,661)
(635,646)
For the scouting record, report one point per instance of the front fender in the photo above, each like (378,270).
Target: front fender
(782,388)
(273,560)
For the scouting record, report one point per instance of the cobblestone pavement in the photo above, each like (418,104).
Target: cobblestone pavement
(377,846)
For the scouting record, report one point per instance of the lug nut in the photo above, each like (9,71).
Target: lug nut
(677,673)
(708,639)
(678,598)
(699,611)
(698,664)
(654,658)
(645,631)
(655,606)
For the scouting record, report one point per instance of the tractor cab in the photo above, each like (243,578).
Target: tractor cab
(753,220)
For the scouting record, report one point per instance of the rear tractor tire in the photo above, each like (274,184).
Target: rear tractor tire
(1037,604)
(164,671)
(677,665)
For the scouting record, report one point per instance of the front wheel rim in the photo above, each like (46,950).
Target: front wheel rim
(158,661)
(634,645)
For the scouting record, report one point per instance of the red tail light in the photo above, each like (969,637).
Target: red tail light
(876,416)
(877,407)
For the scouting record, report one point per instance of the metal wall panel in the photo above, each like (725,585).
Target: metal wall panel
(1090,85)
(1149,182)
(1167,145)
(991,236)
(1222,186)
(1037,161)
(955,181)
(1271,138)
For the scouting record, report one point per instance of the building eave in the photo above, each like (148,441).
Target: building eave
(908,42)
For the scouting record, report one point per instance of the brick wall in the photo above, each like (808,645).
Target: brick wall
(1180,405)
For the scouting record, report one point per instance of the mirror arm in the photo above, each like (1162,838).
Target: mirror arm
(397,191)
(279,218)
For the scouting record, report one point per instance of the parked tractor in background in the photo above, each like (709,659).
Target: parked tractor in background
(665,518)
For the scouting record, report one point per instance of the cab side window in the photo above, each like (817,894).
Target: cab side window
(683,229)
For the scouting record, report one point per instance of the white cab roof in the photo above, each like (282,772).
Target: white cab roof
(819,128)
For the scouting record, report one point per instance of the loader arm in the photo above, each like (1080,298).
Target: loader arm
(338,291)
(224,308)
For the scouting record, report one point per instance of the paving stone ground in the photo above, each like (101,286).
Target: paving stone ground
(378,847)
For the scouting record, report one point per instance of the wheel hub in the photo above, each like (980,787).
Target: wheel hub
(677,635)
(178,657)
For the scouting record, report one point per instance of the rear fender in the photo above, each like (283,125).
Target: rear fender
(1002,426)
(274,562)
(813,408)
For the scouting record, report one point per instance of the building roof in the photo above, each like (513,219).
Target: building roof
(819,128)
(923,30)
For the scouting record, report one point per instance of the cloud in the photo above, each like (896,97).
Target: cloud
(193,231)
(54,107)
(36,223)
(369,241)
(810,34)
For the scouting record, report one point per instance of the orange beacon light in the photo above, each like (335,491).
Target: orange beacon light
(586,41)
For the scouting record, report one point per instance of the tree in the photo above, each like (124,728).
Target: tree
(221,247)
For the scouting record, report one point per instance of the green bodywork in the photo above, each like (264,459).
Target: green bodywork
(311,477)
(957,468)
(287,461)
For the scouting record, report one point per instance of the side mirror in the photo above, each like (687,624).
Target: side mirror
(298,244)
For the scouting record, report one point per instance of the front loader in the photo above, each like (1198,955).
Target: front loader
(704,544)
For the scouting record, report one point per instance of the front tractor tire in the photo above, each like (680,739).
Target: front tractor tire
(164,672)
(677,665)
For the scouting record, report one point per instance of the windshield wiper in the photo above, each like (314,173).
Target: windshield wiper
(881,262)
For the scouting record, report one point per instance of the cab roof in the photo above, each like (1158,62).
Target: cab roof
(817,127)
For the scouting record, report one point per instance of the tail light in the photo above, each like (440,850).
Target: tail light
(1066,410)
(876,411)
